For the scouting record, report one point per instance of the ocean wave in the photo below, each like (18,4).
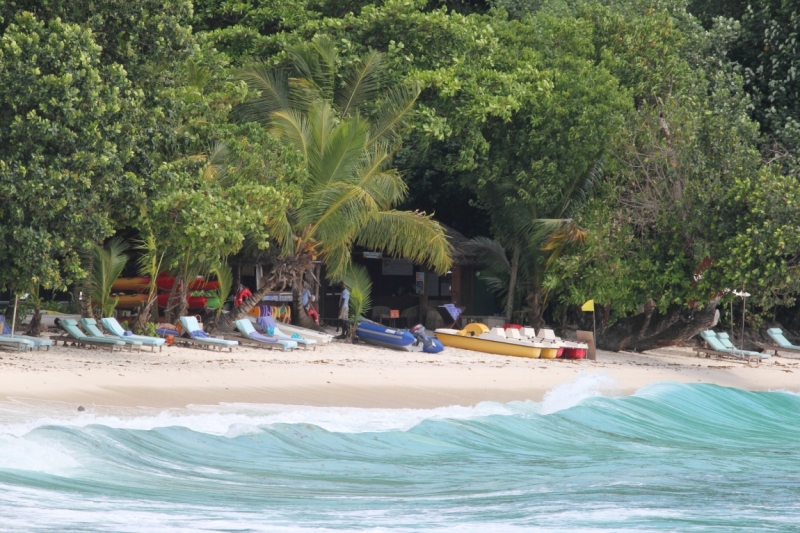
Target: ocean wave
(669,457)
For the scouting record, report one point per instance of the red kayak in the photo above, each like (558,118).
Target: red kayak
(165,283)
(195,302)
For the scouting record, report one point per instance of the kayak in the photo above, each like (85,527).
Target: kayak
(195,302)
(130,284)
(165,283)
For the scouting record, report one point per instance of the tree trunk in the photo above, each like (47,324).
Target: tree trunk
(276,280)
(651,329)
(172,303)
(35,327)
(301,318)
(145,313)
(512,284)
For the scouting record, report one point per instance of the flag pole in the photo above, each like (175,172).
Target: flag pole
(594,329)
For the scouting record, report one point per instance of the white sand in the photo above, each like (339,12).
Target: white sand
(342,374)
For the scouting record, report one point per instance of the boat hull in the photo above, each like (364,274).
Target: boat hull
(374,333)
(488,346)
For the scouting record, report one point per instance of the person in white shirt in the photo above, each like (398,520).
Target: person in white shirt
(344,311)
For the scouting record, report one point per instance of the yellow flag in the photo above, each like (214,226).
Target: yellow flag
(588,306)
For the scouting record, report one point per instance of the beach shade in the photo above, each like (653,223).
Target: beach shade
(450,314)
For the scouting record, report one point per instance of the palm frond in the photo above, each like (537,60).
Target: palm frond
(292,127)
(489,252)
(409,235)
(106,263)
(341,154)
(360,285)
(224,276)
(362,82)
(272,86)
(393,113)
(196,75)
(577,192)
(315,66)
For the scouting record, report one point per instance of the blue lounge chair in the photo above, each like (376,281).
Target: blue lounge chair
(90,325)
(781,340)
(16,343)
(70,325)
(718,348)
(38,342)
(116,329)
(268,323)
(198,337)
(258,340)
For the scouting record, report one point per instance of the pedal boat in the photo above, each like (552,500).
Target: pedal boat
(566,349)
(479,338)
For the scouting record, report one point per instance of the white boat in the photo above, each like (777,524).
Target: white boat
(319,336)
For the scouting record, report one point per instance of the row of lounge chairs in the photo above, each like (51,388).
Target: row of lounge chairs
(720,345)
(118,339)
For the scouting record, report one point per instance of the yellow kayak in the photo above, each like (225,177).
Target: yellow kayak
(479,338)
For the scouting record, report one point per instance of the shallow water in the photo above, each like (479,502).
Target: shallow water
(671,457)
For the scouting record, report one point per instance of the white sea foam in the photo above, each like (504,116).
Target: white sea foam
(572,393)
(234,419)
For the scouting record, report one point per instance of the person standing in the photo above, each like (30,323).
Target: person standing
(344,311)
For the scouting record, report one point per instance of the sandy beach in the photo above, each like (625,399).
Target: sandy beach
(354,375)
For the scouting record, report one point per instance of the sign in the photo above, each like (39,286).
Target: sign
(373,255)
(420,284)
(394,313)
(397,267)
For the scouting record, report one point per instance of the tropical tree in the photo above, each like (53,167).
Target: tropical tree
(104,264)
(360,286)
(346,127)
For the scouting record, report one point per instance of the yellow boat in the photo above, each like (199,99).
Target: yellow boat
(479,338)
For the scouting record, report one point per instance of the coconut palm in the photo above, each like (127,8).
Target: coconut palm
(347,128)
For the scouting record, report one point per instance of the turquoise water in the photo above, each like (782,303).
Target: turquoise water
(669,458)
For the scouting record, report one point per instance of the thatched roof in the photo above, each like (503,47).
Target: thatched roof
(457,240)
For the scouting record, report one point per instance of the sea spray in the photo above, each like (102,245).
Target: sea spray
(573,392)
(671,457)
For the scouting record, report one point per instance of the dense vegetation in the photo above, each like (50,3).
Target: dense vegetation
(643,153)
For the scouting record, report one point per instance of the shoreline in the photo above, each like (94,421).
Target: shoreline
(351,375)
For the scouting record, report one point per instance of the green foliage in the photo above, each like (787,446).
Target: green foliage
(346,126)
(360,285)
(64,144)
(224,276)
(105,264)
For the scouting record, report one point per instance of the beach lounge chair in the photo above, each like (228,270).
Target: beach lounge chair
(90,326)
(718,348)
(267,323)
(115,329)
(38,342)
(198,337)
(258,340)
(18,344)
(70,325)
(781,340)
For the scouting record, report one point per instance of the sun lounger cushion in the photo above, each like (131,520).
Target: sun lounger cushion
(115,328)
(778,336)
(726,341)
(192,327)
(37,341)
(70,325)
(246,327)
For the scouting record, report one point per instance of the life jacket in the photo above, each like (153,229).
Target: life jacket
(241,296)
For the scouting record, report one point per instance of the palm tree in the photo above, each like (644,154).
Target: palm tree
(533,239)
(357,280)
(347,129)
(105,266)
